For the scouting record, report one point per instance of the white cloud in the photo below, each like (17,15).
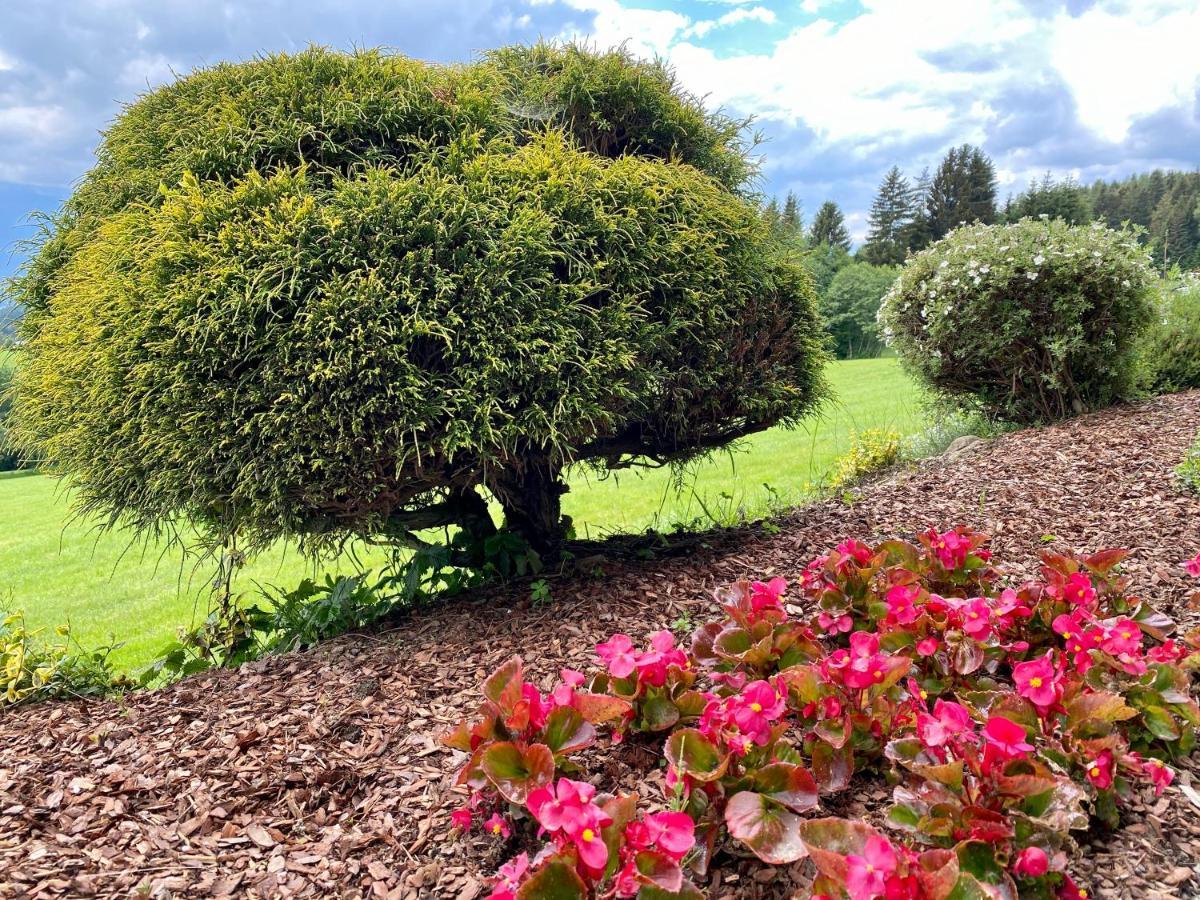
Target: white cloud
(733,17)
(1127,62)
(6,62)
(647,32)
(144,72)
(30,122)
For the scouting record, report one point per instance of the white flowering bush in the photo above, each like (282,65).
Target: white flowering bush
(1028,322)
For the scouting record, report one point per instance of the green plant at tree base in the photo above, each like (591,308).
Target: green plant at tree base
(1189,469)
(274,312)
(35,668)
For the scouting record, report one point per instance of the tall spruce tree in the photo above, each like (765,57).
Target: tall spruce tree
(829,227)
(791,218)
(963,190)
(1064,200)
(890,216)
(918,233)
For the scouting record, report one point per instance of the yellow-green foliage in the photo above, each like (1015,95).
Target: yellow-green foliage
(872,450)
(35,668)
(1189,469)
(315,295)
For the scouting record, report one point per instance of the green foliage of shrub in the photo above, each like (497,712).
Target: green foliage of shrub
(871,451)
(1170,348)
(1189,469)
(37,668)
(327,295)
(850,307)
(1027,322)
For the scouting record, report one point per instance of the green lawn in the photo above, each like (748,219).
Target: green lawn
(57,569)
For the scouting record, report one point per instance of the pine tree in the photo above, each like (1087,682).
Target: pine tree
(963,190)
(829,227)
(791,219)
(1174,230)
(1064,200)
(918,234)
(891,214)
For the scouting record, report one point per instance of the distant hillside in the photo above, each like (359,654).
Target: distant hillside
(9,313)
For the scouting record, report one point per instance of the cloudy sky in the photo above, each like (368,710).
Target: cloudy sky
(841,89)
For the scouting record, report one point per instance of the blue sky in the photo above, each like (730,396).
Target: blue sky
(841,89)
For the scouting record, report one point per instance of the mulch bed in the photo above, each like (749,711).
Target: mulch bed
(320,773)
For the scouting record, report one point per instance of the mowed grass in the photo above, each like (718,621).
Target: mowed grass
(59,569)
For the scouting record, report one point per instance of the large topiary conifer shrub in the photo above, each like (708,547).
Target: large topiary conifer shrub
(330,295)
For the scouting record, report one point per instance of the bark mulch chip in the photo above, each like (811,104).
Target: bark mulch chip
(320,773)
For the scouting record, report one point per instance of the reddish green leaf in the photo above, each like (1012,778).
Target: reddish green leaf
(938,873)
(832,766)
(766,827)
(1098,706)
(515,772)
(791,785)
(967,656)
(1104,560)
(555,880)
(503,687)
(659,869)
(693,754)
(830,840)
(658,714)
(566,731)
(600,708)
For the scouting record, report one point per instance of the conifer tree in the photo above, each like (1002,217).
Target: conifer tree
(829,227)
(963,190)
(890,216)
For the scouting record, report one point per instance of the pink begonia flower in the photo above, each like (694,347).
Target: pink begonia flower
(755,709)
(1167,652)
(948,720)
(1037,681)
(767,595)
(1079,590)
(1124,636)
(461,818)
(900,601)
(1032,862)
(554,810)
(1011,606)
(950,549)
(1192,566)
(927,646)
(855,550)
(866,875)
(618,654)
(1160,774)
(673,833)
(867,666)
(834,624)
(539,709)
(1100,770)
(1006,737)
(497,825)
(571,812)
(652,665)
(977,619)
(564,693)
(512,873)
